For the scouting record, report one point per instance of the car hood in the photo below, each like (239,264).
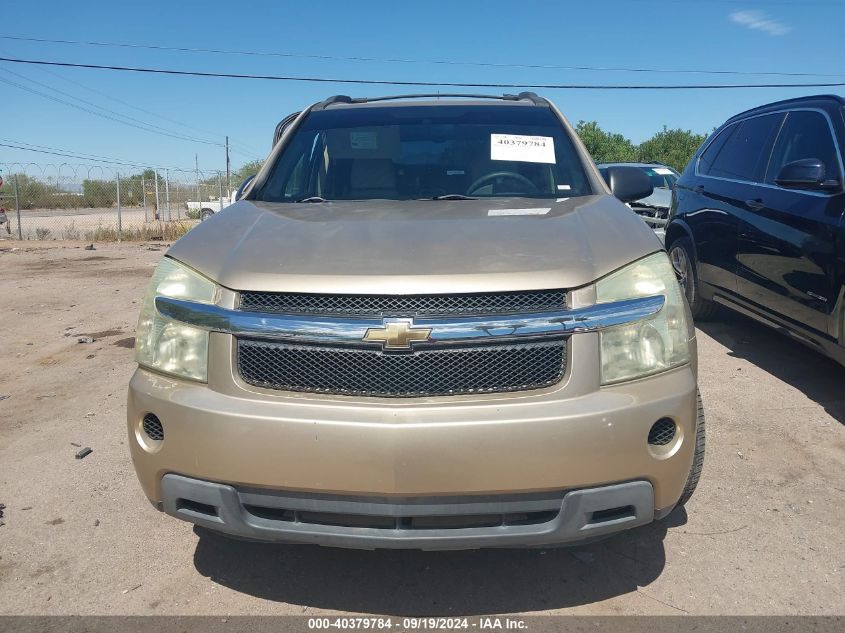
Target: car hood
(390,247)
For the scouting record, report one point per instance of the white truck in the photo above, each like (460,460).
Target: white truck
(206,208)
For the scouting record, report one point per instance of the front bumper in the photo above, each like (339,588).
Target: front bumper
(428,524)
(574,436)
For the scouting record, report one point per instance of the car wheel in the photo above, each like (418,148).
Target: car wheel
(205,214)
(698,456)
(686,268)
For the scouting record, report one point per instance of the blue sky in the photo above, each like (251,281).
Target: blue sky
(746,35)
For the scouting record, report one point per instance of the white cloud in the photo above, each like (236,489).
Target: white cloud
(760,21)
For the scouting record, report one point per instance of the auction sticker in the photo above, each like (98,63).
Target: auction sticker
(524,149)
(363,140)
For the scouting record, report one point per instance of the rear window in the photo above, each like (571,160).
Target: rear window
(413,152)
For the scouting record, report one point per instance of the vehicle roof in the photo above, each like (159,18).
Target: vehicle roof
(432,99)
(834,100)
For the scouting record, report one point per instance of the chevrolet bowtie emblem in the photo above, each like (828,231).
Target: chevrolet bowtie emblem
(397,334)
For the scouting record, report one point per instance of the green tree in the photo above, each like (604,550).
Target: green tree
(32,193)
(99,193)
(245,171)
(605,147)
(674,148)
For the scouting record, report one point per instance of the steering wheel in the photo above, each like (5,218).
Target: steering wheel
(512,175)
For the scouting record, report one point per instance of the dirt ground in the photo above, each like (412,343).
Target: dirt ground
(764,533)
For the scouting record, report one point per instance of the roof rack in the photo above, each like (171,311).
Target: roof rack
(522,96)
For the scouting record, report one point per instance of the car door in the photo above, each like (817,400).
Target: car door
(729,172)
(786,249)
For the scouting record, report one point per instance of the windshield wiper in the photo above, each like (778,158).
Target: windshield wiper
(450,196)
(313,199)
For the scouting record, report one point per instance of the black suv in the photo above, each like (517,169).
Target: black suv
(756,220)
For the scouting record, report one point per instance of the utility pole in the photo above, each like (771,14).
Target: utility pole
(119,215)
(199,196)
(167,192)
(18,206)
(228,169)
(157,214)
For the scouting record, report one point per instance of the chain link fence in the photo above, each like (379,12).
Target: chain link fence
(96,203)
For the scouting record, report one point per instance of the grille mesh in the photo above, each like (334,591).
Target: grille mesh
(433,372)
(153,427)
(404,305)
(661,432)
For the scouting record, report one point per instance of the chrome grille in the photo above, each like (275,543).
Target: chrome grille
(404,305)
(429,372)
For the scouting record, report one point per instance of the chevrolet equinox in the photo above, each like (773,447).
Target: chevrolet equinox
(428,323)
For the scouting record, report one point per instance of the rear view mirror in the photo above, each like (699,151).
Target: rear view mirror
(628,183)
(807,173)
(240,190)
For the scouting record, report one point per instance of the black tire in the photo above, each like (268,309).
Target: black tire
(205,214)
(682,256)
(698,457)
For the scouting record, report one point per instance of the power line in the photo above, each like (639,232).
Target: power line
(117,100)
(247,150)
(101,114)
(399,60)
(45,149)
(120,117)
(440,84)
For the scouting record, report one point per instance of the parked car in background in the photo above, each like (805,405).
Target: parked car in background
(403,336)
(654,209)
(206,208)
(756,222)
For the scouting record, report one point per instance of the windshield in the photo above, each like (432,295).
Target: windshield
(660,177)
(414,152)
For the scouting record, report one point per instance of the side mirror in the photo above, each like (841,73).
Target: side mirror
(240,190)
(628,183)
(807,173)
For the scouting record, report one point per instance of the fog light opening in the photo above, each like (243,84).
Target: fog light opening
(153,427)
(613,514)
(196,507)
(662,432)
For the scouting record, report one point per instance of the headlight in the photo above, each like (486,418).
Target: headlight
(653,345)
(166,345)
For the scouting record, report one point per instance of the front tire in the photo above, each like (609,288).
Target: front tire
(205,214)
(698,456)
(682,256)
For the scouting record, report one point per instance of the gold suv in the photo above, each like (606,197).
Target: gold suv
(428,323)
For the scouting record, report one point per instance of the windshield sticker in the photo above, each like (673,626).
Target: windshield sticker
(363,140)
(455,172)
(501,212)
(663,171)
(563,187)
(524,149)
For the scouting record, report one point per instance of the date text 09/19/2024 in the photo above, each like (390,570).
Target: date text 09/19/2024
(413,624)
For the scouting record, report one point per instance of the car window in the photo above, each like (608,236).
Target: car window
(805,134)
(411,152)
(745,154)
(705,161)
